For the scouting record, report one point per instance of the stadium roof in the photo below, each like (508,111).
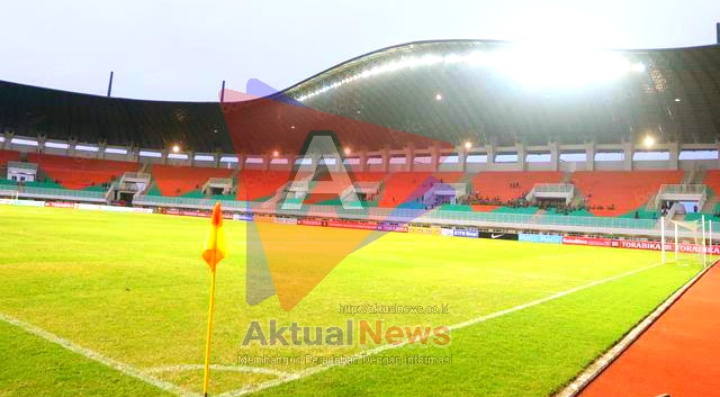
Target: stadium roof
(453,91)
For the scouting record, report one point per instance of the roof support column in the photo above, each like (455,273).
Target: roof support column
(266,162)
(490,150)
(627,148)
(240,163)
(590,156)
(521,155)
(435,158)
(409,158)
(72,142)
(674,152)
(132,153)
(554,156)
(41,139)
(462,157)
(101,150)
(385,159)
(8,135)
(362,160)
(291,159)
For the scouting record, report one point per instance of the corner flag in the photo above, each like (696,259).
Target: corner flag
(215,250)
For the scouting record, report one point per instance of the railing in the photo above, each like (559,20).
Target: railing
(684,189)
(22,166)
(55,194)
(139,176)
(554,188)
(401,215)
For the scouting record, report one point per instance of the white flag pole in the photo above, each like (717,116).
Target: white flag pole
(662,238)
(677,248)
(703,240)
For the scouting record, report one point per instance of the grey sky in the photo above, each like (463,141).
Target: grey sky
(181,50)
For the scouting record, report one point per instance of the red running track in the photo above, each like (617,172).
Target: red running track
(679,354)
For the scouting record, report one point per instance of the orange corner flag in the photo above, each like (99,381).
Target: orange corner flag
(215,248)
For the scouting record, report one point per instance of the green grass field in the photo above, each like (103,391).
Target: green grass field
(133,289)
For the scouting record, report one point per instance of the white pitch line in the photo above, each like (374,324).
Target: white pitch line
(321,368)
(95,356)
(218,367)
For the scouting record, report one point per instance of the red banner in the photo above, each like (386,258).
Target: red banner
(310,222)
(59,204)
(352,224)
(589,241)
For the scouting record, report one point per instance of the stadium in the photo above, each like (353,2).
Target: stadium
(455,217)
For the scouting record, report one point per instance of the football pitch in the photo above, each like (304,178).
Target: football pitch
(108,304)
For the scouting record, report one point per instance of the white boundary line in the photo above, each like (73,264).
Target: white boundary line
(218,367)
(95,356)
(321,368)
(596,368)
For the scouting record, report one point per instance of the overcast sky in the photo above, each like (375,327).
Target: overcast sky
(183,49)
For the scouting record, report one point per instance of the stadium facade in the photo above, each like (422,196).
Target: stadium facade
(456,107)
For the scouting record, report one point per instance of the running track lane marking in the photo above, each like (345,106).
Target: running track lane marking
(321,368)
(95,356)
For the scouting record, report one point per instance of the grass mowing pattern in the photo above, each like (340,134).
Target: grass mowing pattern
(132,287)
(34,367)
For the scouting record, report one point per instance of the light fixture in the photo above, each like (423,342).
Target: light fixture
(347,151)
(649,141)
(678,100)
(438,97)
(468,145)
(176,149)
(275,153)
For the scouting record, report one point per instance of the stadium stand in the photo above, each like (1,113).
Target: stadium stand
(8,155)
(614,193)
(712,180)
(80,173)
(403,188)
(255,185)
(507,186)
(179,180)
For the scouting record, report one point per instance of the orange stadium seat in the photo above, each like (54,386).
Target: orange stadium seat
(79,173)
(401,187)
(404,187)
(624,190)
(255,184)
(6,156)
(176,180)
(712,180)
(494,184)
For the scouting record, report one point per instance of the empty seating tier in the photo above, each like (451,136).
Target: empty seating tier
(256,185)
(78,172)
(179,180)
(510,185)
(614,193)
